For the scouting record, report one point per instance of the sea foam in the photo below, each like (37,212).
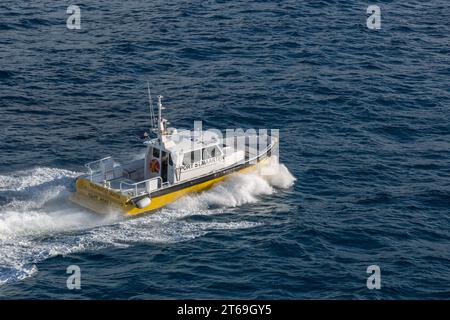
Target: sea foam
(38,222)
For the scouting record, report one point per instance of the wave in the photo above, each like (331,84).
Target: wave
(38,222)
(240,189)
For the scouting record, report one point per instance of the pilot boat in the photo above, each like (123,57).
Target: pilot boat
(176,162)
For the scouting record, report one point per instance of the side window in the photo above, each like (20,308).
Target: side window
(210,152)
(187,158)
(196,155)
(170,160)
(155,153)
(191,157)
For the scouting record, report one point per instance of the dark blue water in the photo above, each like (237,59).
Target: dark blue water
(364,126)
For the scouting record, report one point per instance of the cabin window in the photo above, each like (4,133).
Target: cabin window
(155,153)
(196,155)
(187,158)
(210,152)
(191,157)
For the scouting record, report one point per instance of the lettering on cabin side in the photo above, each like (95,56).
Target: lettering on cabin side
(199,164)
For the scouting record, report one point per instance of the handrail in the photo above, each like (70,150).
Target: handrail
(260,153)
(136,184)
(178,133)
(96,162)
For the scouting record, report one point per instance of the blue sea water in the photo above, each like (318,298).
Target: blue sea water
(364,128)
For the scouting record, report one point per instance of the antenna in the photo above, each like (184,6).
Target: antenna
(160,125)
(152,113)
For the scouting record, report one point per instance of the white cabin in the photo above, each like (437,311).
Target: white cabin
(175,157)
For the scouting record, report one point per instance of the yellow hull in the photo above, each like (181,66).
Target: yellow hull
(103,200)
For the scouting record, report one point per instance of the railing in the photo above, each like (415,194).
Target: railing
(141,187)
(272,142)
(178,133)
(104,167)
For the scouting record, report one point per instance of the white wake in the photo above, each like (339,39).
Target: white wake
(38,222)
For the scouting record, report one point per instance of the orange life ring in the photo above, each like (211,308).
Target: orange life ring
(154,165)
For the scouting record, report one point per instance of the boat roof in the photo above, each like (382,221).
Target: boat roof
(181,141)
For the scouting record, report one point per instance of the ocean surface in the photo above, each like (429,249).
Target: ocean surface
(364,120)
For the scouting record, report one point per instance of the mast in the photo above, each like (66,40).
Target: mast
(160,124)
(152,113)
